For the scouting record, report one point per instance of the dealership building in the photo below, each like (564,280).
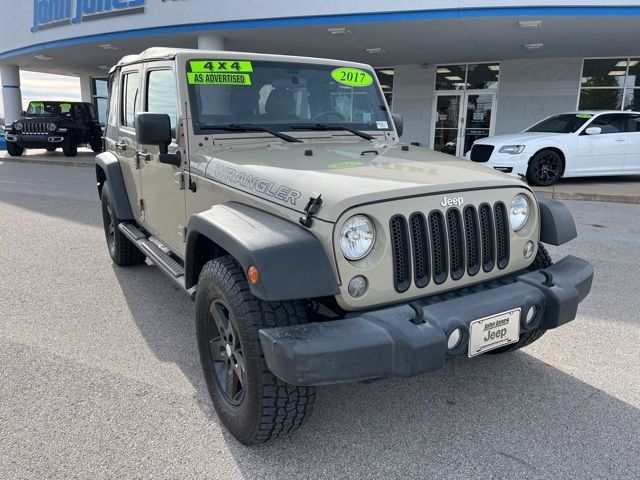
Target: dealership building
(457,70)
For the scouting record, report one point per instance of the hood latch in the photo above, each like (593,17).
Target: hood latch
(313,206)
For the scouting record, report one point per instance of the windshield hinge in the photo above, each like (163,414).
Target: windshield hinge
(179,179)
(141,205)
(313,206)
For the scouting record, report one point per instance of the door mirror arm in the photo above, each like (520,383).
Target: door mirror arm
(169,158)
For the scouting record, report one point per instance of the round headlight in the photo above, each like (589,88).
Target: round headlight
(18,126)
(519,212)
(51,127)
(357,237)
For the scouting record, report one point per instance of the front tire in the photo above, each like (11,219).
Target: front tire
(251,402)
(14,149)
(96,145)
(545,168)
(122,251)
(70,147)
(542,260)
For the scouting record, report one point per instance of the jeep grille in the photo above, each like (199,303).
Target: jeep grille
(452,244)
(34,128)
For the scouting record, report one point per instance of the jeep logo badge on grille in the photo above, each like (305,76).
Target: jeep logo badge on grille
(448,202)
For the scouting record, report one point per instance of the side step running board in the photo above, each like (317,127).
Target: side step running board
(162,260)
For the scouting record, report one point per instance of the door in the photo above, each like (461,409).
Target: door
(632,159)
(448,123)
(162,186)
(604,153)
(124,106)
(461,119)
(478,121)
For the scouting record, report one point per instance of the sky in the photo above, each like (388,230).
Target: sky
(44,86)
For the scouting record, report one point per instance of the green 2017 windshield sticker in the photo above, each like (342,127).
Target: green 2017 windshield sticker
(240,79)
(352,77)
(37,104)
(221,66)
(343,165)
(584,115)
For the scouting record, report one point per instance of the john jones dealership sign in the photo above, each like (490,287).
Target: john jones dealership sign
(54,13)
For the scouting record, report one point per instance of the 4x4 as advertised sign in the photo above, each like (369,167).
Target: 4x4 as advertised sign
(57,13)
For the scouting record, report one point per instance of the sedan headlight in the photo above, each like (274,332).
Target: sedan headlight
(512,149)
(519,212)
(18,126)
(51,127)
(357,237)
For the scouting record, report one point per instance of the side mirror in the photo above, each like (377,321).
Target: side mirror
(23,114)
(154,129)
(593,131)
(399,123)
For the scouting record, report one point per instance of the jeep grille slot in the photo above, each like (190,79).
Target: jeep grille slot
(456,243)
(442,245)
(420,243)
(438,246)
(472,237)
(34,128)
(502,235)
(488,238)
(400,249)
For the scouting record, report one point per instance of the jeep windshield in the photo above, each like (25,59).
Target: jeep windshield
(234,95)
(48,109)
(565,123)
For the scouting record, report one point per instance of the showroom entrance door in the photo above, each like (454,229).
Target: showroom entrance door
(461,118)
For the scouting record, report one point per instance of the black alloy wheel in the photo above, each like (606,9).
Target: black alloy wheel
(545,168)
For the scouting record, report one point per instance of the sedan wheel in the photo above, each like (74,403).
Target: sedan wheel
(545,168)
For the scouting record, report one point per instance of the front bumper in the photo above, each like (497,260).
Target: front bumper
(407,340)
(36,141)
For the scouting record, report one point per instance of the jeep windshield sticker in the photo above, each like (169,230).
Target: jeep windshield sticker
(36,105)
(583,115)
(239,79)
(352,77)
(342,165)
(65,107)
(230,176)
(220,66)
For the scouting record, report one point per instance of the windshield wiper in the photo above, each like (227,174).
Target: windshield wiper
(249,127)
(331,126)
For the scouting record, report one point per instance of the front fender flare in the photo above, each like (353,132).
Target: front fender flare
(290,260)
(108,164)
(556,222)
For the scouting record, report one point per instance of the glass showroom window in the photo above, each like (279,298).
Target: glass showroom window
(385,77)
(610,84)
(472,76)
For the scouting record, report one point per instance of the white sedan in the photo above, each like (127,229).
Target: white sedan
(577,144)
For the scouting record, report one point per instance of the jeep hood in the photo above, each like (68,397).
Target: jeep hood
(345,174)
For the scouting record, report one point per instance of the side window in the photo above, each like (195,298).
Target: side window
(130,86)
(112,112)
(633,123)
(162,96)
(611,123)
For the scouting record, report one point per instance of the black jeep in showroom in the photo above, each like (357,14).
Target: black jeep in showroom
(50,125)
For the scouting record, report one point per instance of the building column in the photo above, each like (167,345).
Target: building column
(11,93)
(210,41)
(86,89)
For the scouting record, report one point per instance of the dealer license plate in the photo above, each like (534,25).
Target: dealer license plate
(494,332)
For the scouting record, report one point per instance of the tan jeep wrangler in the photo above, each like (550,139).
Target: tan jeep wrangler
(318,248)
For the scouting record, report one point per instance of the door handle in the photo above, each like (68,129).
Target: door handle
(620,139)
(121,146)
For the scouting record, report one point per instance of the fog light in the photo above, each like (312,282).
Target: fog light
(358,286)
(454,339)
(531,315)
(529,247)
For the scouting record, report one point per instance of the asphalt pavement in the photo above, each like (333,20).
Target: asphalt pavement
(99,374)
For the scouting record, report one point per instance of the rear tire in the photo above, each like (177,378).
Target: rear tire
(545,168)
(542,260)
(251,402)
(14,149)
(96,145)
(70,147)
(122,251)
